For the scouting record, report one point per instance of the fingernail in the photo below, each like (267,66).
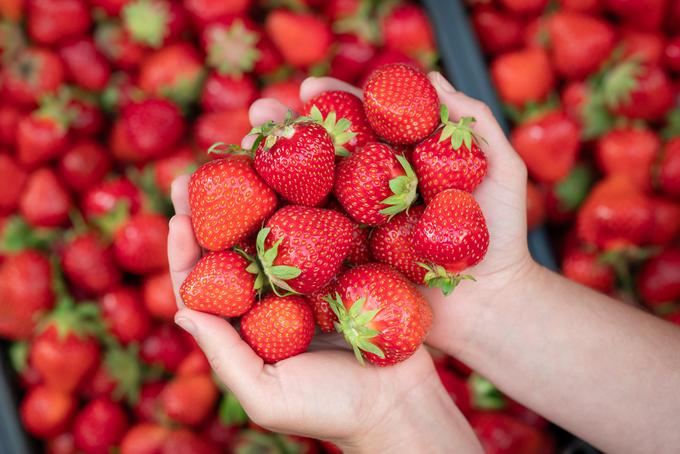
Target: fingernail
(444,84)
(187,325)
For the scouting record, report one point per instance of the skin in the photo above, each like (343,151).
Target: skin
(585,361)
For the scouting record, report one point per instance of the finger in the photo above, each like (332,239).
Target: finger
(262,111)
(313,86)
(183,252)
(234,362)
(179,194)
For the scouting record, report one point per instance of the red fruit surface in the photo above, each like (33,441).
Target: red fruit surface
(34,73)
(189,399)
(628,151)
(666,224)
(229,201)
(9,119)
(85,65)
(401,104)
(140,245)
(287,29)
(206,11)
(535,206)
(352,55)
(44,202)
(144,438)
(659,280)
(526,7)
(90,265)
(105,197)
(223,92)
(502,434)
(99,426)
(164,346)
(522,76)
(323,314)
(669,169)
(46,412)
(152,126)
(644,47)
(13,178)
(127,318)
(159,298)
(83,165)
(407,29)
(587,269)
(457,388)
(497,32)
(175,72)
(228,126)
(219,284)
(278,327)
(671,54)
(184,441)
(40,138)
(53,21)
(286,92)
(652,96)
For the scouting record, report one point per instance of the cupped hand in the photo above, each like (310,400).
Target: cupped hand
(324,393)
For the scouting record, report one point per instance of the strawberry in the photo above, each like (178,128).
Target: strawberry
(65,351)
(643,47)
(152,126)
(581,6)
(644,15)
(382,58)
(228,92)
(659,281)
(375,183)
(278,327)
(297,159)
(381,314)
(352,54)
(42,135)
(287,29)
(234,47)
(166,169)
(287,92)
(497,32)
(189,399)
(61,444)
(125,314)
(301,248)
(99,426)
(503,434)
(25,291)
(449,159)
(144,438)
(345,106)
(535,206)
(228,126)
(194,363)
(174,72)
(407,29)
(615,215)
(85,65)
(159,298)
(14,178)
(392,243)
(109,195)
(184,441)
(164,346)
(666,224)
(523,76)
(457,388)
(46,412)
(323,314)
(204,12)
(229,201)
(579,43)
(524,7)
(548,144)
(401,104)
(83,165)
(34,73)
(89,264)
(669,169)
(651,96)
(451,236)
(587,269)
(628,151)
(53,21)
(154,23)
(139,245)
(45,202)
(9,119)
(148,404)
(118,46)
(220,284)
(87,117)
(671,54)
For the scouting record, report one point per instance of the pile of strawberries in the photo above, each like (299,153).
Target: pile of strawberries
(592,88)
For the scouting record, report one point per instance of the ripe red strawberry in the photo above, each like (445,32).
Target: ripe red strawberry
(523,76)
(666,224)
(548,144)
(669,169)
(164,346)
(401,104)
(174,72)
(152,126)
(659,280)
(323,314)
(45,202)
(118,46)
(25,291)
(628,151)
(587,269)
(381,314)
(83,165)
(451,236)
(53,21)
(189,399)
(229,201)
(159,298)
(287,92)
(382,58)
(644,47)
(535,206)
(9,119)
(181,161)
(392,243)
(407,29)
(147,406)
(524,7)
(34,73)
(650,94)
(287,29)
(125,314)
(497,32)
(185,441)
(615,215)
(228,92)
(87,117)
(301,248)
(643,15)
(46,412)
(108,195)
(233,47)
(502,434)
(42,135)
(205,12)
(579,43)
(449,159)
(99,426)
(352,54)
(347,106)
(89,264)
(144,438)
(297,160)
(375,183)
(85,64)
(154,23)
(278,327)
(220,284)
(13,178)
(457,388)
(671,54)
(140,244)
(65,352)
(194,363)
(228,126)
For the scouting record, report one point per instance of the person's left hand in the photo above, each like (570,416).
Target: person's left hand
(324,393)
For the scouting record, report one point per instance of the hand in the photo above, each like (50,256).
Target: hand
(324,393)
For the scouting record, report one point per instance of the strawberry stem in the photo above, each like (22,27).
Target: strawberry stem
(276,275)
(438,277)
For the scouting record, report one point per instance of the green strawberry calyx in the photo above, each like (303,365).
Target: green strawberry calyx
(124,367)
(438,277)
(253,268)
(276,275)
(338,129)
(82,319)
(485,395)
(354,325)
(270,132)
(146,21)
(232,50)
(404,190)
(222,148)
(458,133)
